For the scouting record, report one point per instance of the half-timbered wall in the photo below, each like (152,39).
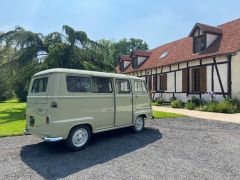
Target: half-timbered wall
(220,72)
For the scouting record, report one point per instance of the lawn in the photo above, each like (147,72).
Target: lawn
(160,114)
(12,120)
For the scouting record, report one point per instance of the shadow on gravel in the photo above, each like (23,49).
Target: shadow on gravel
(53,160)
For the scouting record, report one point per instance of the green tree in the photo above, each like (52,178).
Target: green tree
(126,46)
(34,52)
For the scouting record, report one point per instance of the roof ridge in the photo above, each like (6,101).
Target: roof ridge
(220,25)
(208,25)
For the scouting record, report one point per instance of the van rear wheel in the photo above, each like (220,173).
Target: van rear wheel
(79,137)
(138,124)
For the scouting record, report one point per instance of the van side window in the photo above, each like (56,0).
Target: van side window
(140,87)
(39,85)
(78,84)
(122,86)
(101,85)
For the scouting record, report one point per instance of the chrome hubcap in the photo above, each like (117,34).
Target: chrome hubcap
(80,137)
(139,123)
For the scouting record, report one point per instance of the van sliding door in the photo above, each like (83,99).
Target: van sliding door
(123,102)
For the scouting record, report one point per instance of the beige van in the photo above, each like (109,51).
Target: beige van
(70,105)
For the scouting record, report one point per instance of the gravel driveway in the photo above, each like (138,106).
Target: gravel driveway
(182,148)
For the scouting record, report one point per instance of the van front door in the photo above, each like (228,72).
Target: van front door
(123,102)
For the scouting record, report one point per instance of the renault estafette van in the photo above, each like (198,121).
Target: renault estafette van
(71,105)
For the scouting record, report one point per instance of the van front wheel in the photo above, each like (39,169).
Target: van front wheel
(138,124)
(78,138)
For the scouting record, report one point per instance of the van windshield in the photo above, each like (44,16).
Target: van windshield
(39,85)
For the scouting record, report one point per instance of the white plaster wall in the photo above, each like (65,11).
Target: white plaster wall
(207,61)
(126,63)
(174,67)
(153,71)
(179,81)
(194,63)
(236,76)
(166,69)
(181,96)
(170,82)
(209,78)
(222,68)
(141,59)
(210,39)
(183,65)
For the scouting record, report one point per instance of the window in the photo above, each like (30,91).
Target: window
(78,84)
(199,43)
(163,82)
(39,85)
(101,85)
(134,63)
(196,80)
(122,86)
(140,87)
(121,65)
(164,54)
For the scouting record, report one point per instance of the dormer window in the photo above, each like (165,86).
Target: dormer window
(203,36)
(199,43)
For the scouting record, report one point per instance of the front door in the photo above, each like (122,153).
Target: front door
(123,102)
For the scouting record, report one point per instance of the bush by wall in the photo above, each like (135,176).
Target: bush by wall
(176,103)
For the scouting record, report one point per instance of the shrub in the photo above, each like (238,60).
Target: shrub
(224,107)
(159,102)
(195,100)
(190,105)
(176,104)
(173,99)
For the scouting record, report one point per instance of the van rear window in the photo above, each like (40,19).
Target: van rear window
(39,85)
(78,84)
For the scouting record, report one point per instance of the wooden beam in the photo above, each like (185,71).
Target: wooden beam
(229,75)
(188,84)
(219,78)
(175,81)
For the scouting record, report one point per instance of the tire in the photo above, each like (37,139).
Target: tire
(79,138)
(138,124)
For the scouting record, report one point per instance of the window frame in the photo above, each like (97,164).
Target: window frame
(39,78)
(194,42)
(144,84)
(78,75)
(162,83)
(130,86)
(195,80)
(111,82)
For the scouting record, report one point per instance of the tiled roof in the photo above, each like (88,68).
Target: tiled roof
(181,50)
(125,58)
(141,53)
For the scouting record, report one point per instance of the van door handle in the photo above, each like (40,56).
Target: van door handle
(136,96)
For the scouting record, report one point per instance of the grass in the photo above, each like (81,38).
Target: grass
(160,114)
(12,120)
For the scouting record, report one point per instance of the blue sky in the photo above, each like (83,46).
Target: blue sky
(155,21)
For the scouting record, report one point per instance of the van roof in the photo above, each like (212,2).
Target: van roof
(85,72)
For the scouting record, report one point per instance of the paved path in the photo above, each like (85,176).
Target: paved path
(181,148)
(235,118)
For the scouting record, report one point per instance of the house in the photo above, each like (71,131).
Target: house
(207,61)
